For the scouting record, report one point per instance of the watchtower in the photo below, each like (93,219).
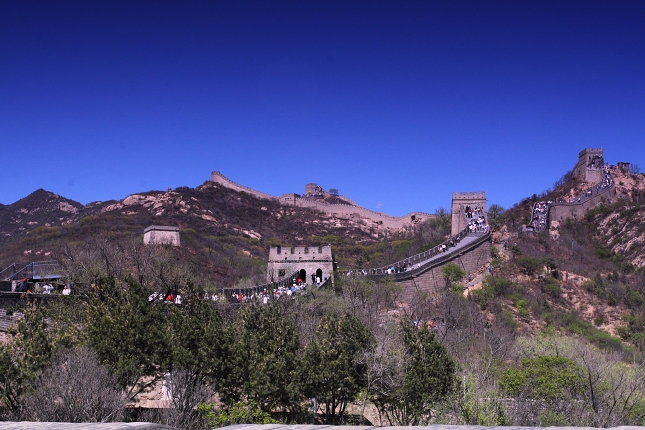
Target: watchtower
(463,201)
(590,165)
(313,263)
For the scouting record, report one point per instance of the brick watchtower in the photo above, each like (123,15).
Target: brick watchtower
(459,203)
(590,165)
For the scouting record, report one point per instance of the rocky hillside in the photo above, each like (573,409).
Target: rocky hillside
(220,228)
(585,276)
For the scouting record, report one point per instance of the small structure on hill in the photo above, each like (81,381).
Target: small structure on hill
(161,235)
(314,264)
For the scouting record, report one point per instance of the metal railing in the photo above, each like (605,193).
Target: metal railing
(442,248)
(3,274)
(39,270)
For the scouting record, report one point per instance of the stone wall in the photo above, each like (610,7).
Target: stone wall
(431,280)
(562,211)
(380,221)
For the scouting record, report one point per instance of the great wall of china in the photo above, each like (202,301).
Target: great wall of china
(421,273)
(381,221)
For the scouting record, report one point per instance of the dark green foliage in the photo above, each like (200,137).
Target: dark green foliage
(530,265)
(576,325)
(128,332)
(197,341)
(551,287)
(23,358)
(410,388)
(452,274)
(333,369)
(493,287)
(266,356)
(633,329)
(507,319)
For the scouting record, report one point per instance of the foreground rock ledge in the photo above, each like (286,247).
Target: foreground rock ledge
(25,425)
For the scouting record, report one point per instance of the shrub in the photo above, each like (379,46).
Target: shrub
(529,265)
(522,308)
(551,287)
(506,318)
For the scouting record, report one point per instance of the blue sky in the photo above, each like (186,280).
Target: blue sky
(395,104)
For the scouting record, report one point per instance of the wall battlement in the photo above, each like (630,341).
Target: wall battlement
(480,195)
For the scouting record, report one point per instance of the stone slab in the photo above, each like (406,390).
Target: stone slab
(30,425)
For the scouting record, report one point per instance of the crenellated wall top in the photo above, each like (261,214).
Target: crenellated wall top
(282,253)
(590,151)
(480,195)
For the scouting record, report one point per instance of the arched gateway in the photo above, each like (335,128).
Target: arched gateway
(306,262)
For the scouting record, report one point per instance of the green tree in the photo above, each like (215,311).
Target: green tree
(530,265)
(267,353)
(25,355)
(333,369)
(452,274)
(128,333)
(198,349)
(412,377)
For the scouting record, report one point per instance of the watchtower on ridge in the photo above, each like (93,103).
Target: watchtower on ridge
(459,203)
(590,165)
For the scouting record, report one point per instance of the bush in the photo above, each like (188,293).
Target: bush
(551,287)
(522,308)
(506,319)
(530,265)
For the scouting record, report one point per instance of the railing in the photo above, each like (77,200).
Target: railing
(269,287)
(3,274)
(39,270)
(413,260)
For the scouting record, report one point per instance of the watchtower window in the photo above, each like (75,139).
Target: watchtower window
(413,217)
(279,249)
(281,272)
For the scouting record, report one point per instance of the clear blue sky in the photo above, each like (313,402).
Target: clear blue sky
(397,104)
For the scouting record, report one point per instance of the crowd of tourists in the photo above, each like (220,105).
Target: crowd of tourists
(472,212)
(165,298)
(540,214)
(478,225)
(24,286)
(265,295)
(541,209)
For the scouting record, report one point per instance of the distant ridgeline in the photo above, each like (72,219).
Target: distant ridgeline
(341,207)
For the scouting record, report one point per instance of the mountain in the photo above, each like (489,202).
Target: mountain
(220,227)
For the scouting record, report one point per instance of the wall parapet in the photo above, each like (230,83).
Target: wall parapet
(218,178)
